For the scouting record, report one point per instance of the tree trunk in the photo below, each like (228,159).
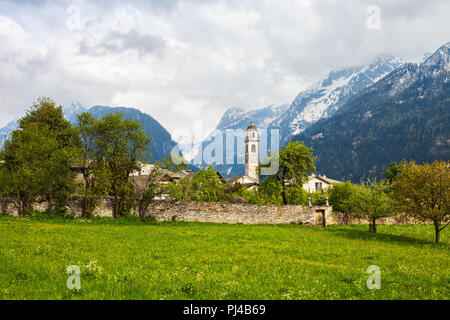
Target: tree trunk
(373,226)
(142,207)
(437,226)
(283,192)
(25,205)
(116,207)
(84,207)
(345,218)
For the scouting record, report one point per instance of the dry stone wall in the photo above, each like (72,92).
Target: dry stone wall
(216,212)
(235,213)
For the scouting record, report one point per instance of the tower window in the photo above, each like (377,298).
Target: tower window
(253,148)
(254,135)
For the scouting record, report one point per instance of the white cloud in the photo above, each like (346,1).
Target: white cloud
(182,61)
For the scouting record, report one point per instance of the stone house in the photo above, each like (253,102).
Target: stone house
(317,182)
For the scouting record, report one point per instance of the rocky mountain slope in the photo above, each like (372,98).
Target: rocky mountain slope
(405,115)
(323,99)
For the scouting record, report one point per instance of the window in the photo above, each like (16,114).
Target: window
(253,148)
(318,186)
(254,135)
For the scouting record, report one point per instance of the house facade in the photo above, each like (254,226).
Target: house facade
(317,182)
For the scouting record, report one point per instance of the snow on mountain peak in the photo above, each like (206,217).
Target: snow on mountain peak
(325,97)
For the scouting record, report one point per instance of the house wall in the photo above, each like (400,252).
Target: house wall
(310,186)
(245,180)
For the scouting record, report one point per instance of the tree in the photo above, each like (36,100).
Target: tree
(46,115)
(252,196)
(205,186)
(121,144)
(392,172)
(423,191)
(91,168)
(370,201)
(148,187)
(296,163)
(270,190)
(37,158)
(340,195)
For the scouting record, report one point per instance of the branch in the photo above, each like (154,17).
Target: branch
(444,226)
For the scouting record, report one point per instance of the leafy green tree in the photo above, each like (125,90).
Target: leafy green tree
(270,190)
(121,144)
(252,196)
(392,172)
(93,170)
(45,113)
(146,188)
(37,158)
(296,195)
(340,195)
(296,163)
(370,201)
(423,191)
(205,186)
(318,198)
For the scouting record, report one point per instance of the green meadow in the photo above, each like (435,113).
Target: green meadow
(134,259)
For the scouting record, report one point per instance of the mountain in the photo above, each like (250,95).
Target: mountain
(161,145)
(405,115)
(238,119)
(70,113)
(323,99)
(5,132)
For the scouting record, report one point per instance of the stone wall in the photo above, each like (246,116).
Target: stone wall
(337,218)
(195,211)
(235,213)
(214,212)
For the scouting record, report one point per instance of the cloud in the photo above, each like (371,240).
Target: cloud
(118,42)
(183,61)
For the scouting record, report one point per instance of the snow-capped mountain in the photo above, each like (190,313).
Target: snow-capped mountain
(403,116)
(5,132)
(232,119)
(323,99)
(237,119)
(71,112)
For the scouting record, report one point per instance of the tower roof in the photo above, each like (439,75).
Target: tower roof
(252,126)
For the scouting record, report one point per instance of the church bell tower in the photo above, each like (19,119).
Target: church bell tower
(252,152)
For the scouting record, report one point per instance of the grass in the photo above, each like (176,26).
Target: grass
(131,259)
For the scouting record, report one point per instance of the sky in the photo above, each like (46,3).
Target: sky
(187,61)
